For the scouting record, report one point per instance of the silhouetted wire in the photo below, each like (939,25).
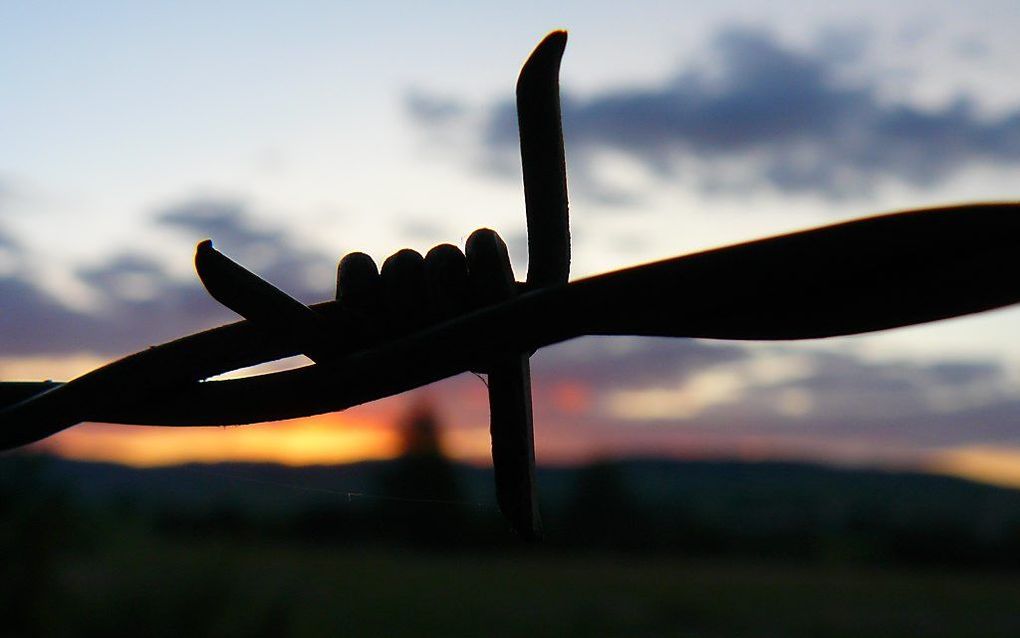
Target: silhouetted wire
(481,377)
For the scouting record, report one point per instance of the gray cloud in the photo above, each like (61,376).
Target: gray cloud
(606,364)
(846,399)
(140,303)
(32,322)
(838,404)
(767,115)
(421,229)
(271,253)
(431,108)
(11,248)
(9,243)
(5,190)
(845,385)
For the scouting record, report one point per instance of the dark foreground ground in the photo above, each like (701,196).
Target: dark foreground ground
(140,586)
(633,549)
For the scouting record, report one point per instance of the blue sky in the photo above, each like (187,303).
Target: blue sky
(292,133)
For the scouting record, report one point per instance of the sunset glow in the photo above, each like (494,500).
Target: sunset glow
(998,466)
(327,439)
(575,426)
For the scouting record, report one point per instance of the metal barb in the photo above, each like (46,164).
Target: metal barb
(281,317)
(544,163)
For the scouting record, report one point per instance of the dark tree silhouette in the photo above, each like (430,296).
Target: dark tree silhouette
(420,490)
(423,471)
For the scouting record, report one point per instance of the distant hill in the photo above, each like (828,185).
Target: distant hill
(790,509)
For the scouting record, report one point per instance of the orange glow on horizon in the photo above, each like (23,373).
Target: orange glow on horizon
(349,437)
(984,464)
(327,439)
(373,432)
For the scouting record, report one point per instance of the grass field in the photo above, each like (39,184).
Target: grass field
(723,550)
(141,585)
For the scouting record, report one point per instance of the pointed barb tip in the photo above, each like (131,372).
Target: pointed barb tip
(544,62)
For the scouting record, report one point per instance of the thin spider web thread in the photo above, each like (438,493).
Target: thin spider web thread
(349,496)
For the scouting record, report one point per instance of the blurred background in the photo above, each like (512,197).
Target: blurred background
(854,485)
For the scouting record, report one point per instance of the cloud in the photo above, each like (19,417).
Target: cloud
(763,114)
(431,108)
(816,396)
(604,364)
(273,254)
(663,396)
(34,323)
(420,229)
(8,243)
(4,193)
(843,384)
(140,303)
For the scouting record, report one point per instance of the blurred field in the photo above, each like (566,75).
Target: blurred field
(633,549)
(140,586)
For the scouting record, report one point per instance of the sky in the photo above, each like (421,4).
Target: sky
(293,133)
